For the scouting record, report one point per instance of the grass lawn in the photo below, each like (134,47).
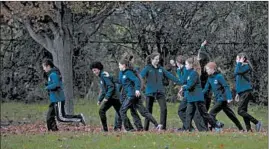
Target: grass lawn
(21,115)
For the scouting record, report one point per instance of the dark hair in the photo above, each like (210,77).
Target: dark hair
(48,62)
(126,62)
(126,59)
(129,57)
(180,59)
(97,65)
(151,57)
(244,55)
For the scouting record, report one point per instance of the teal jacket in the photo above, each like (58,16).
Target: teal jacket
(55,86)
(119,88)
(154,79)
(108,87)
(130,82)
(193,87)
(217,84)
(242,77)
(182,75)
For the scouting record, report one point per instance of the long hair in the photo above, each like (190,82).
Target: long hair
(195,64)
(244,55)
(151,57)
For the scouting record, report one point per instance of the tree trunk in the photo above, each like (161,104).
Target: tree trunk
(62,58)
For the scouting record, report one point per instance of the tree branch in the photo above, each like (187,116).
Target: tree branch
(44,41)
(105,12)
(128,30)
(59,15)
(97,28)
(88,35)
(54,29)
(37,37)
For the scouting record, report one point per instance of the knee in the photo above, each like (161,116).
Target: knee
(164,110)
(149,107)
(189,114)
(211,113)
(134,114)
(180,113)
(123,111)
(48,117)
(240,112)
(144,114)
(101,112)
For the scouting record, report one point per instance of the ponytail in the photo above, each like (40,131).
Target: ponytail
(127,60)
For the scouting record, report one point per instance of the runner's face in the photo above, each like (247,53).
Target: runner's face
(96,71)
(122,67)
(188,66)
(155,60)
(46,68)
(179,65)
(209,70)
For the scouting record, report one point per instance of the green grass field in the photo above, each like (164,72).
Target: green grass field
(21,116)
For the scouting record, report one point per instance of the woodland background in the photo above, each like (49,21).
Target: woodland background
(74,34)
